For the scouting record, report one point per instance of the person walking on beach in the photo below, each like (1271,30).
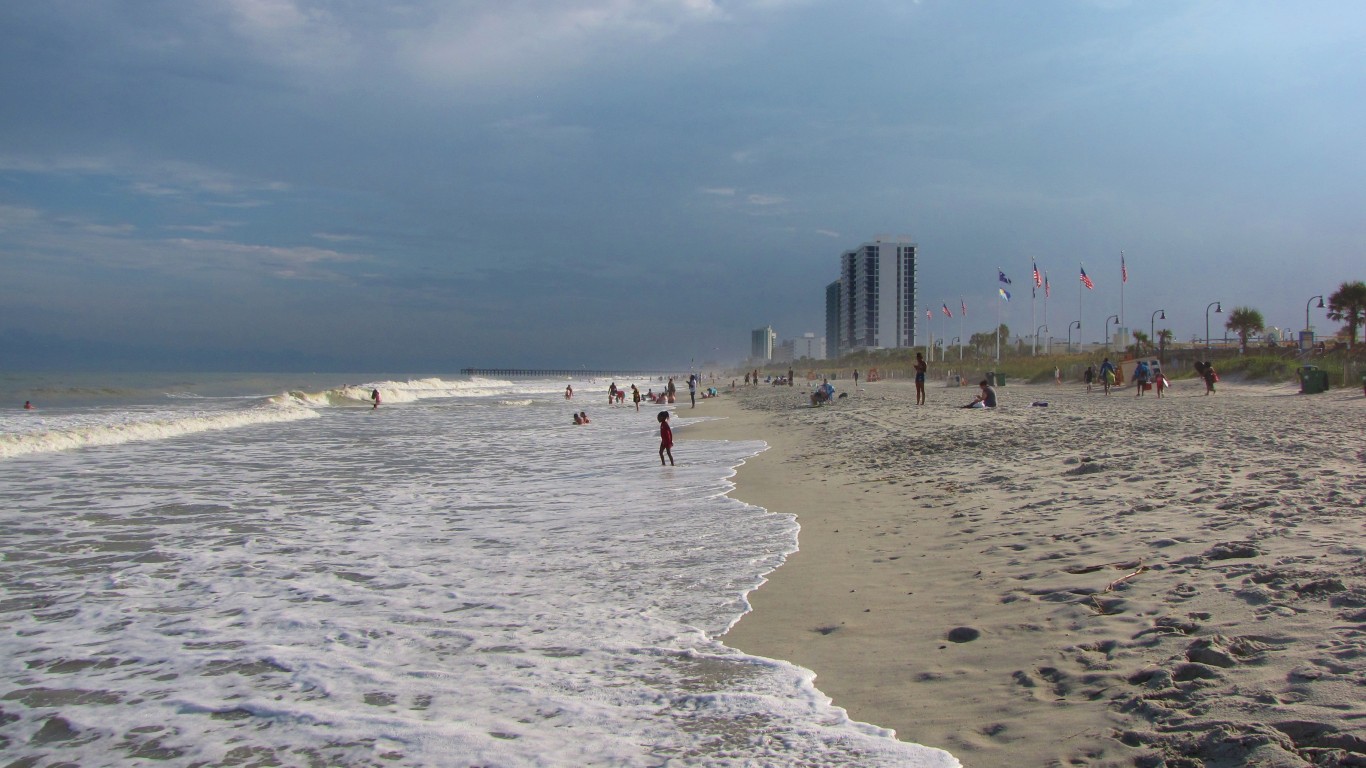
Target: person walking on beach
(855,379)
(920,368)
(635,397)
(666,438)
(374,398)
(1140,378)
(1206,371)
(1057,375)
(1090,376)
(1107,374)
(692,390)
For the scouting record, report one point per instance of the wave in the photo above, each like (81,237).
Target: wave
(409,391)
(66,435)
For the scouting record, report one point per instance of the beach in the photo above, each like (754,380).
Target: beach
(1099,581)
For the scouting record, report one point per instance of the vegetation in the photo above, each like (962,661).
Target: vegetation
(1348,305)
(1244,321)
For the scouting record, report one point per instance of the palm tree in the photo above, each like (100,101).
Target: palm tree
(1141,342)
(1244,321)
(1164,337)
(1348,305)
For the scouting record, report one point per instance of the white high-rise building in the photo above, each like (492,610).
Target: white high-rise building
(761,343)
(877,296)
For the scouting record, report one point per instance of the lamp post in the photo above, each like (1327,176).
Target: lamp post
(1218,309)
(1069,334)
(1037,331)
(1152,325)
(958,340)
(1306,310)
(1107,330)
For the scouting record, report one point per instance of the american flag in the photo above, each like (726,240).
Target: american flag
(1045,285)
(1086,281)
(1123,270)
(1002,276)
(947,313)
(1037,280)
(963,306)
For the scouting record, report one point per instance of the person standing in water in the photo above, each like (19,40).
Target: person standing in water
(666,438)
(374,398)
(635,397)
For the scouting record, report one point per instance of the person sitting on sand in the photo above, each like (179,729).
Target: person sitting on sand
(823,394)
(985,399)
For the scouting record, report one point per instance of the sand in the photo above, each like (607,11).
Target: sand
(1105,581)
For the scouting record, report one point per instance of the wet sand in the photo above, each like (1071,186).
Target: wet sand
(1105,581)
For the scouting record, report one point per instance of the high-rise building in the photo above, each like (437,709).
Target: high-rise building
(761,343)
(832,321)
(877,296)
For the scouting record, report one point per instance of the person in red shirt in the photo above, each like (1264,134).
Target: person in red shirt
(666,438)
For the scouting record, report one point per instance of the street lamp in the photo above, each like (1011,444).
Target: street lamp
(959,341)
(1037,331)
(1069,334)
(1306,310)
(1152,325)
(1218,308)
(1107,330)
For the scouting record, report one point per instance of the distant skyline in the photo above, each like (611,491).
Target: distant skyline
(423,186)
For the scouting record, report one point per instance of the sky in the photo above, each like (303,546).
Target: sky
(421,186)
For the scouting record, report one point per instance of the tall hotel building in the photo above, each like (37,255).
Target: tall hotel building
(876,297)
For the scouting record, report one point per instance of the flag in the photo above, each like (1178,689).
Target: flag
(1004,294)
(1045,285)
(1002,276)
(947,313)
(963,305)
(1086,281)
(929,314)
(1123,270)
(1037,280)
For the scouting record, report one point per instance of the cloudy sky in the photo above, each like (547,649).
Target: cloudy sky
(418,185)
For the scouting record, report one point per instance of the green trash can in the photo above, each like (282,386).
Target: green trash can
(1313,380)
(1000,380)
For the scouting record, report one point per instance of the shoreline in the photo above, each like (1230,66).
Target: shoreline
(1106,581)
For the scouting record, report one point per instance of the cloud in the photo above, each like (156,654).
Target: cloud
(721,191)
(16,217)
(828,233)
(757,199)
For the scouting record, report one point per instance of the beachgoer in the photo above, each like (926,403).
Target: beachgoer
(666,438)
(374,398)
(1161,382)
(920,367)
(577,419)
(568,391)
(635,397)
(1057,375)
(1207,373)
(583,416)
(746,379)
(28,406)
(612,393)
(1140,378)
(855,378)
(692,390)
(985,399)
(1107,374)
(671,389)
(1090,376)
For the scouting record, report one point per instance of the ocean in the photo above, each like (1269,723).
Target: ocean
(264,570)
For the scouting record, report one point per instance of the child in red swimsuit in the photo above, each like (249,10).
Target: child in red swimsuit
(666,438)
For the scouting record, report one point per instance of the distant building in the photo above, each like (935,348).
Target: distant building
(832,321)
(761,344)
(785,352)
(877,297)
(811,347)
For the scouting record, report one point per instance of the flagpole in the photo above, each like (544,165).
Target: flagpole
(1046,347)
(1079,310)
(1034,318)
(961,305)
(998,329)
(1121,293)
